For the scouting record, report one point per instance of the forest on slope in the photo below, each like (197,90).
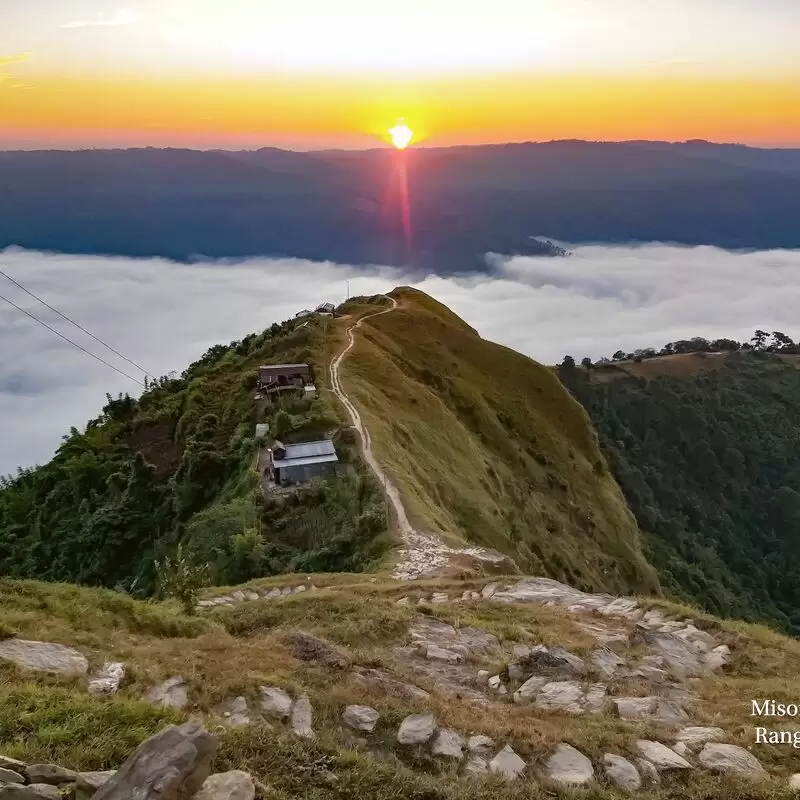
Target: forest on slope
(706,447)
(178,465)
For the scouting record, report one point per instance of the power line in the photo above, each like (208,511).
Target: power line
(74,344)
(72,321)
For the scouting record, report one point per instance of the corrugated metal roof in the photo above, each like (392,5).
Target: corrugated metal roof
(284,366)
(309,449)
(301,462)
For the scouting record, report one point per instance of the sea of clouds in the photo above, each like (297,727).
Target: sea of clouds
(164,315)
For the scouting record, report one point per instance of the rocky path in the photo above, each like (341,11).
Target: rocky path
(421,555)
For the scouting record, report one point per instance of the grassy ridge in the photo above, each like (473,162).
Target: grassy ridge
(486,445)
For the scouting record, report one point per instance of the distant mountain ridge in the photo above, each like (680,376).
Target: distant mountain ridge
(345,206)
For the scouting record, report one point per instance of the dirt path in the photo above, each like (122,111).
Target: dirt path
(422,555)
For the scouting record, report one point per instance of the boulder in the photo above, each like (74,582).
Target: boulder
(507,764)
(381,681)
(565,696)
(10,776)
(731,760)
(233,785)
(172,765)
(569,767)
(234,712)
(275,702)
(43,657)
(529,689)
(172,693)
(108,679)
(794,782)
(416,729)
(476,765)
(480,745)
(596,698)
(635,707)
(50,773)
(648,771)
(489,590)
(717,658)
(435,653)
(12,763)
(606,662)
(660,756)
(620,772)
(682,750)
(360,718)
(694,736)
(301,718)
(448,743)
(88,783)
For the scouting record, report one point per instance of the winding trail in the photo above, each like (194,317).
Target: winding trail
(422,555)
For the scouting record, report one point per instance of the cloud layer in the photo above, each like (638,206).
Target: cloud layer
(101,20)
(164,315)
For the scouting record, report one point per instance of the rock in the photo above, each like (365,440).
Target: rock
(43,657)
(384,682)
(648,771)
(235,712)
(569,767)
(521,651)
(529,689)
(108,679)
(495,684)
(439,598)
(731,760)
(435,653)
(489,590)
(566,696)
(476,765)
(88,783)
(794,782)
(621,772)
(448,743)
(306,647)
(556,659)
(660,756)
(403,601)
(635,707)
(275,702)
(681,659)
(35,791)
(606,663)
(360,718)
(12,763)
(480,745)
(482,677)
(10,776)
(301,718)
(233,785)
(250,595)
(50,773)
(507,764)
(416,729)
(172,693)
(172,765)
(475,596)
(717,658)
(596,698)
(681,749)
(694,736)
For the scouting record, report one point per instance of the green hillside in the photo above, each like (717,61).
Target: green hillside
(707,451)
(178,464)
(487,446)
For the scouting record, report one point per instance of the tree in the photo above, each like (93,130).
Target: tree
(619,355)
(181,578)
(759,339)
(568,362)
(586,362)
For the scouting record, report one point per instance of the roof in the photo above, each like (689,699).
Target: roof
(301,462)
(284,366)
(299,455)
(308,449)
(262,430)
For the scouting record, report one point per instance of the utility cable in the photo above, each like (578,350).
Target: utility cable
(79,327)
(74,344)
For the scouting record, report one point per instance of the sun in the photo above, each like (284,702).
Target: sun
(401,135)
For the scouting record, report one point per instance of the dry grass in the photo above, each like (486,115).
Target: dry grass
(487,445)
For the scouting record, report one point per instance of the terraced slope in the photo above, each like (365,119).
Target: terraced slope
(485,445)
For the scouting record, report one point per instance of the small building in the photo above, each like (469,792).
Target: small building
(274,376)
(326,308)
(301,463)
(304,313)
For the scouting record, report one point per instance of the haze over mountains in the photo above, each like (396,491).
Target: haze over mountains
(344,205)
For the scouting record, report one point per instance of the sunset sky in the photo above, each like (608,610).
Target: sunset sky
(339,73)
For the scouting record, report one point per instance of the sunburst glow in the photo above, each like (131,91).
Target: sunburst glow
(401,135)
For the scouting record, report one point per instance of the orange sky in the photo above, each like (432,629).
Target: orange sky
(183,73)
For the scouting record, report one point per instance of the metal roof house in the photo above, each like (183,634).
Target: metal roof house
(326,308)
(301,463)
(273,376)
